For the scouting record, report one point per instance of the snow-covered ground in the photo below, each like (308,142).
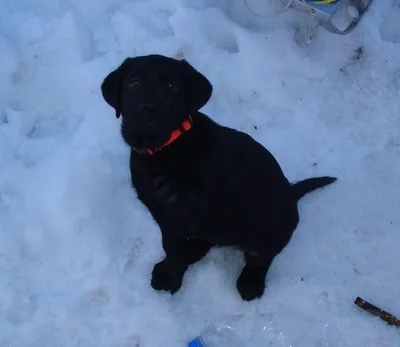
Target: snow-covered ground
(77,248)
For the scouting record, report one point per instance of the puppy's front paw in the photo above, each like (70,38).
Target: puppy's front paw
(251,283)
(167,276)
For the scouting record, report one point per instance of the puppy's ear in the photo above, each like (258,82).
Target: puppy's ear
(111,87)
(200,88)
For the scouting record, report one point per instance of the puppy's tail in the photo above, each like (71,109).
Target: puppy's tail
(308,185)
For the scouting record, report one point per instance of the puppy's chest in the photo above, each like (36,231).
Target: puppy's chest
(181,203)
(171,187)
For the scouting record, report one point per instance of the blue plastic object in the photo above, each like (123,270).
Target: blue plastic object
(197,342)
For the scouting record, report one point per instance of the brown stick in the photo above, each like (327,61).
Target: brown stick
(376,311)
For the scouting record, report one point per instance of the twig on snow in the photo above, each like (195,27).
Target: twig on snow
(376,311)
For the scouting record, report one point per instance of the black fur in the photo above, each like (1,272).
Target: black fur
(213,186)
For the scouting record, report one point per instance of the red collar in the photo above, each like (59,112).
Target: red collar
(184,127)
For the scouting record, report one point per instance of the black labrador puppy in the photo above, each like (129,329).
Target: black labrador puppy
(205,184)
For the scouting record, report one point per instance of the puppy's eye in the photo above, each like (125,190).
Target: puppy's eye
(133,82)
(172,86)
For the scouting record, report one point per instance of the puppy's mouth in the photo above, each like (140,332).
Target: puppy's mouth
(148,135)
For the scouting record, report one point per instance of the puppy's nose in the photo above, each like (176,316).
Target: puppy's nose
(147,106)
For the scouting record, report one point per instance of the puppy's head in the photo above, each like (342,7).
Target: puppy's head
(155,95)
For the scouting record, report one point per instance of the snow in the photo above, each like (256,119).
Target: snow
(77,248)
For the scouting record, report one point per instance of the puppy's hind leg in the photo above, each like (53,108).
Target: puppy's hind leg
(251,282)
